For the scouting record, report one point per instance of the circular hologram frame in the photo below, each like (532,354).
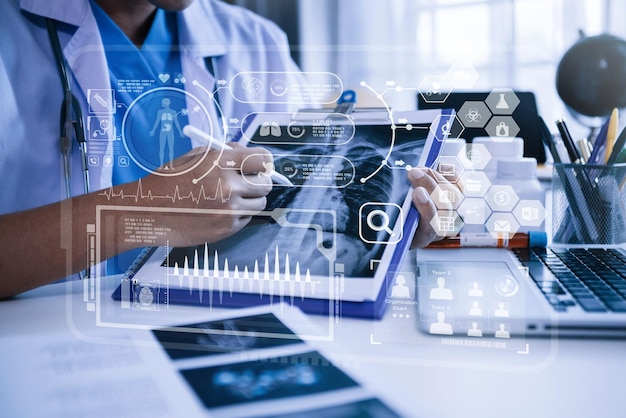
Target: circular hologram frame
(152,129)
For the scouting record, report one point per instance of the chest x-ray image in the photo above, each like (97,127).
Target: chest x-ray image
(345,208)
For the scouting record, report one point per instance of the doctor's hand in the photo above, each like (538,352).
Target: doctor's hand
(224,182)
(427,183)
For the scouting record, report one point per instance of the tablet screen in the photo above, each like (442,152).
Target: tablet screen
(338,232)
(345,209)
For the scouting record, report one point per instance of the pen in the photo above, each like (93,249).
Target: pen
(574,156)
(199,135)
(532,239)
(599,145)
(546,137)
(617,148)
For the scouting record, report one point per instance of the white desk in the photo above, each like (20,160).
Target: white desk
(419,375)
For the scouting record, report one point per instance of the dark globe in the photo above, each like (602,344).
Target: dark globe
(591,77)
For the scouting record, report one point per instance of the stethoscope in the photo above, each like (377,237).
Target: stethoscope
(72,115)
(72,122)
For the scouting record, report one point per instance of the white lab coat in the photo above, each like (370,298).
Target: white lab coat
(31,92)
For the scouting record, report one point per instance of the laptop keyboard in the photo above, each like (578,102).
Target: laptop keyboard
(592,278)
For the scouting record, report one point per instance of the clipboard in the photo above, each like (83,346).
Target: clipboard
(333,244)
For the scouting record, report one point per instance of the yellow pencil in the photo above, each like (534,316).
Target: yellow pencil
(611,134)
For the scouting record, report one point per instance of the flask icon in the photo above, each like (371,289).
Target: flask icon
(502,104)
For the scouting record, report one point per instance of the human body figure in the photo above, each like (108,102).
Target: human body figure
(166,118)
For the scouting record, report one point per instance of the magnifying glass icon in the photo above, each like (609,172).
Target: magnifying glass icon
(383,224)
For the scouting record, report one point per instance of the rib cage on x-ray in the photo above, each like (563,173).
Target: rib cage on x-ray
(345,201)
(365,152)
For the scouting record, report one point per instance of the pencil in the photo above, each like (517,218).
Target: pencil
(611,134)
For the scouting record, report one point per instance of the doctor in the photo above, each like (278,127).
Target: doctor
(119,57)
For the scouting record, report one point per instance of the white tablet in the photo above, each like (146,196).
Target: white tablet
(338,234)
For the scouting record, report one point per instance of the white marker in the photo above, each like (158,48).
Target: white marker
(199,135)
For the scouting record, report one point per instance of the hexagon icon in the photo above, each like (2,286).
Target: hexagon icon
(445,126)
(474,114)
(502,101)
(502,223)
(530,213)
(446,223)
(453,147)
(474,211)
(462,75)
(502,198)
(502,126)
(445,198)
(434,89)
(474,183)
(476,158)
(450,168)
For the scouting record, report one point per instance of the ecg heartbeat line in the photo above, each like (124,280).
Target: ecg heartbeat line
(176,196)
(290,284)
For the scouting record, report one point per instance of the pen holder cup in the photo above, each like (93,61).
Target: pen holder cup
(589,204)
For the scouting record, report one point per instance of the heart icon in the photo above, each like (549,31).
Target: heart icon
(164,77)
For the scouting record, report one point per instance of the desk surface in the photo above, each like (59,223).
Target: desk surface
(419,374)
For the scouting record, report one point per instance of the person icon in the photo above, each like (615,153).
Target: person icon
(475,291)
(475,310)
(400,289)
(474,331)
(441,327)
(502,332)
(166,118)
(501,311)
(440,292)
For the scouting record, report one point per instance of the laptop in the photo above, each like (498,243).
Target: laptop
(474,116)
(500,293)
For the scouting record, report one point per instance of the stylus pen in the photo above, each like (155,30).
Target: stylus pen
(199,135)
(532,239)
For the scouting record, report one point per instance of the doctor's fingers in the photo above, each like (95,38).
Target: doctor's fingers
(247,186)
(425,232)
(257,165)
(248,160)
(423,177)
(444,193)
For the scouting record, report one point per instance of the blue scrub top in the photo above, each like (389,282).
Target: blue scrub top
(150,110)
(235,39)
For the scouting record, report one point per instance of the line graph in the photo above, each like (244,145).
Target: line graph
(271,278)
(198,197)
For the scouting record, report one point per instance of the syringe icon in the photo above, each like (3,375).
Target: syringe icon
(101,101)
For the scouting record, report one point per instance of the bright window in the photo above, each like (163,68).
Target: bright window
(511,43)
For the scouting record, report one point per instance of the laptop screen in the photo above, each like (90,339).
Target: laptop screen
(525,115)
